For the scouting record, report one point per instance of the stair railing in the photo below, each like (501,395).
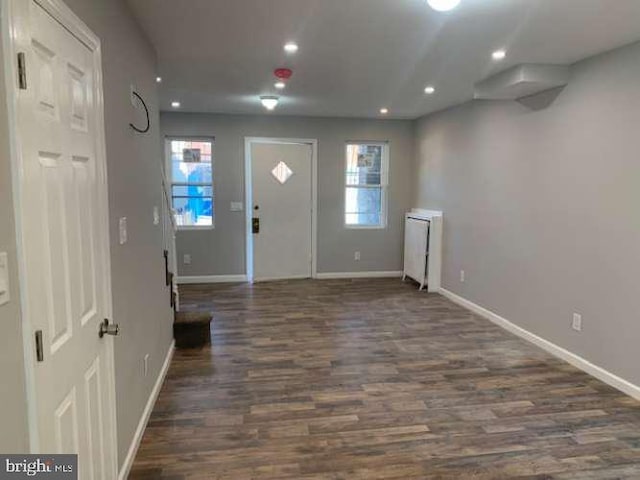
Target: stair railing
(169,229)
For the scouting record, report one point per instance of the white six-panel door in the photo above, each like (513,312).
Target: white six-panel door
(62,212)
(281,179)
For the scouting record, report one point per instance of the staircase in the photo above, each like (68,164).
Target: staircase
(190,329)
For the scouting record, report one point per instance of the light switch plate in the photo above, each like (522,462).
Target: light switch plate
(236,206)
(122,228)
(4,279)
(156,216)
(576,324)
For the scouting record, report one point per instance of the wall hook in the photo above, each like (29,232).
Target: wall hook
(146,110)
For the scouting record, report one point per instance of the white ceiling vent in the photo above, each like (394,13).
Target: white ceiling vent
(522,81)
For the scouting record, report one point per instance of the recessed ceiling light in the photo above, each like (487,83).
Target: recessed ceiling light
(429,89)
(291,47)
(280,85)
(499,55)
(269,102)
(443,5)
(175,104)
(384,111)
(158,79)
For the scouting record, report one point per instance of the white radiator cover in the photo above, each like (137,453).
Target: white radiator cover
(423,248)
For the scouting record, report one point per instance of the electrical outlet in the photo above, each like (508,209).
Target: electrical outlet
(146,364)
(462,276)
(186,259)
(356,256)
(576,324)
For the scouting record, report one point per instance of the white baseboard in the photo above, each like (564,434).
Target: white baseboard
(337,275)
(555,350)
(276,279)
(185,280)
(137,437)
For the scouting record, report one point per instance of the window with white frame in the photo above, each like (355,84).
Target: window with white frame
(191,167)
(367,171)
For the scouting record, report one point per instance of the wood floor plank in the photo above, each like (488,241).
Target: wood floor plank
(371,379)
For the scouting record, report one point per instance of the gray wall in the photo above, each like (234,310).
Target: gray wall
(14,436)
(541,208)
(221,251)
(140,297)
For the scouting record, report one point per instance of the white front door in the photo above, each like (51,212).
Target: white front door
(63,222)
(281,178)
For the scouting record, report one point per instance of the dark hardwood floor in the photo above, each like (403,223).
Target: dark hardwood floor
(371,379)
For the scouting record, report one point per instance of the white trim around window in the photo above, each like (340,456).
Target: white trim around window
(383,186)
(171,183)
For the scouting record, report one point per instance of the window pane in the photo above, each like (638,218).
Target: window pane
(363,177)
(192,211)
(364,164)
(204,147)
(191,191)
(178,146)
(193,202)
(363,206)
(191,172)
(363,219)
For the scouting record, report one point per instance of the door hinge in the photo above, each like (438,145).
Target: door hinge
(39,347)
(22,71)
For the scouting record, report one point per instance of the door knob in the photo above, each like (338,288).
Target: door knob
(108,329)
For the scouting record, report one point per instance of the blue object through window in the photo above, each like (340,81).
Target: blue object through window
(191,163)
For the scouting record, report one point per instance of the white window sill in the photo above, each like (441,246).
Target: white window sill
(188,228)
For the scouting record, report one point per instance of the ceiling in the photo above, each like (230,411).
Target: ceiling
(357,56)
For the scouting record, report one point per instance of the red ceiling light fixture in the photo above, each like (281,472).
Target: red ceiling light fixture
(283,73)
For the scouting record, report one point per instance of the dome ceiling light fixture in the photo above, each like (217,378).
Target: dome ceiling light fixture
(443,5)
(270,102)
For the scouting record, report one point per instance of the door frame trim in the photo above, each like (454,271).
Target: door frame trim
(12,36)
(248,197)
